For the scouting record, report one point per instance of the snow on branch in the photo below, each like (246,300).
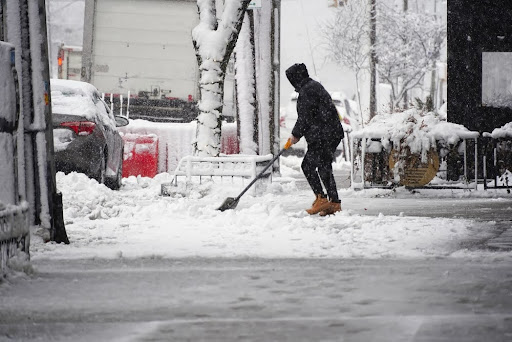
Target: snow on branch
(408,44)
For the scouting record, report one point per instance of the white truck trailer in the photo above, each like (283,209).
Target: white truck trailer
(143,48)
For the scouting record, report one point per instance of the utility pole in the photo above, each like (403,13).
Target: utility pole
(276,65)
(373,59)
(55,207)
(25,28)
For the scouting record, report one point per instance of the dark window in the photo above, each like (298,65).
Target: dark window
(497,79)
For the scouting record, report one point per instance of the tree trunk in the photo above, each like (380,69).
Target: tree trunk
(214,44)
(247,123)
(373,59)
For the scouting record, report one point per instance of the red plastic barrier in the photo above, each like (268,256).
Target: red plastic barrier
(140,155)
(229,140)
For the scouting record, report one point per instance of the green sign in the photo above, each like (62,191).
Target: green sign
(254,4)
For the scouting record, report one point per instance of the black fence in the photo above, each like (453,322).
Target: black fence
(155,110)
(497,163)
(449,166)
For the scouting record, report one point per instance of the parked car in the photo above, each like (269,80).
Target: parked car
(85,134)
(346,110)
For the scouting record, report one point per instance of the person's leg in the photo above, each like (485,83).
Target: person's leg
(325,170)
(309,166)
(327,176)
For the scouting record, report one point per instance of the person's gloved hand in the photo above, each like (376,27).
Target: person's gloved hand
(291,140)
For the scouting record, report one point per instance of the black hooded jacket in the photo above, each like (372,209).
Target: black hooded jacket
(317,117)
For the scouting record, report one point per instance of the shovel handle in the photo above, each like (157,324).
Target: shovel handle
(260,174)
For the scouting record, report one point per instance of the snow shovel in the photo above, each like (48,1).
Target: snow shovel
(231,202)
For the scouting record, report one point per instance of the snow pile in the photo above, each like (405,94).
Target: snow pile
(503,132)
(137,222)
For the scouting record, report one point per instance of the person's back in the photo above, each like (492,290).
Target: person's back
(317,117)
(321,119)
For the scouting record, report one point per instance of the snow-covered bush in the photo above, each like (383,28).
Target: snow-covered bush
(411,139)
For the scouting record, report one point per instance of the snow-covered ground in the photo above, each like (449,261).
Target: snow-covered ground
(137,222)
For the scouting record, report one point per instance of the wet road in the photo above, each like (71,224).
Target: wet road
(260,300)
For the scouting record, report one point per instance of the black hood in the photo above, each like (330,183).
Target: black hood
(296,74)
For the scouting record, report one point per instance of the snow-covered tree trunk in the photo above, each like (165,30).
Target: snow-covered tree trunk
(373,59)
(245,82)
(214,39)
(262,29)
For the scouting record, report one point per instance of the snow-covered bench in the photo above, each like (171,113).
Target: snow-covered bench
(245,166)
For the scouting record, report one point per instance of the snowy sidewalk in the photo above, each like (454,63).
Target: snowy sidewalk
(137,222)
(392,266)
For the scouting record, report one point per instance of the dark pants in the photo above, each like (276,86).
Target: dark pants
(317,166)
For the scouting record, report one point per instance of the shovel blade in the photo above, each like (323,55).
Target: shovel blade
(229,203)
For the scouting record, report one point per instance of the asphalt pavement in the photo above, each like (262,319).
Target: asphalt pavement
(260,300)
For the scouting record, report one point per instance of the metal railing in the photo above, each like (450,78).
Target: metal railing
(382,180)
(243,166)
(497,169)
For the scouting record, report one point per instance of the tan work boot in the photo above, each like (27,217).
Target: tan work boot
(318,204)
(330,208)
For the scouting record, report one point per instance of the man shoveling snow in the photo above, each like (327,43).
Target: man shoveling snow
(318,122)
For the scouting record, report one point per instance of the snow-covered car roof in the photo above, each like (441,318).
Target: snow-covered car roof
(73,97)
(78,98)
(71,87)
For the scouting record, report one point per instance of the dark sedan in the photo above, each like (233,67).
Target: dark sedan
(85,134)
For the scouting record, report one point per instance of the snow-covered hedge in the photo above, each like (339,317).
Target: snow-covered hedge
(503,132)
(417,130)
